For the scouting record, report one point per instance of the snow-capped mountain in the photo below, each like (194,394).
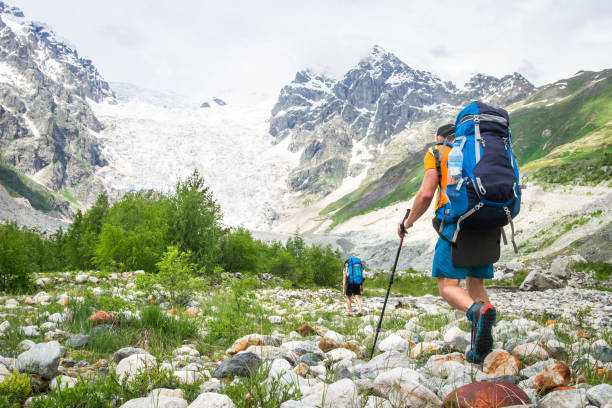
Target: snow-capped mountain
(377,100)
(46,125)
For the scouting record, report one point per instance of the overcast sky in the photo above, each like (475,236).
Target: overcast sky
(204,48)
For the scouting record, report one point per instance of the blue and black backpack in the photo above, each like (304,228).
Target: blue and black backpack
(488,194)
(355,270)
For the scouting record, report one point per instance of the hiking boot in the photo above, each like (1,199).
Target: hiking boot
(482,315)
(472,357)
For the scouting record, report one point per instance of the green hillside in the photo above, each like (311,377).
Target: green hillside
(561,133)
(561,113)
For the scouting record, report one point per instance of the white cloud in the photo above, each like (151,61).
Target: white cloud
(203,48)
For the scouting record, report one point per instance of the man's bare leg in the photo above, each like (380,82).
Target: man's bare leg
(358,300)
(455,295)
(476,290)
(348,305)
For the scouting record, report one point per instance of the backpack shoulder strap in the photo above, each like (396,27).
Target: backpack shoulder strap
(436,154)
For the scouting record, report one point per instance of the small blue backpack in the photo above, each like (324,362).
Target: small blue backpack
(355,270)
(488,194)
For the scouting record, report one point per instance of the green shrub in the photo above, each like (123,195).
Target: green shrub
(196,220)
(135,233)
(602,270)
(236,314)
(15,389)
(176,278)
(239,251)
(15,264)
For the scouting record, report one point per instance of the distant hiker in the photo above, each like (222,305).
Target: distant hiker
(483,200)
(352,283)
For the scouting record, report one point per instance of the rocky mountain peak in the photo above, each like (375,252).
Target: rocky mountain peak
(498,91)
(46,131)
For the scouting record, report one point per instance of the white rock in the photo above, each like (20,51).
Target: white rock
(62,382)
(166,392)
(420,348)
(335,336)
(48,326)
(5,326)
(279,367)
(30,331)
(81,278)
(377,402)
(530,351)
(275,319)
(93,279)
(341,394)
(451,333)
(212,400)
(600,394)
(155,402)
(393,342)
(187,377)
(404,389)
(57,317)
(564,399)
(340,353)
(132,365)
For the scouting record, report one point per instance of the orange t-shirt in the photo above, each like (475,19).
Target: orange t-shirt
(430,163)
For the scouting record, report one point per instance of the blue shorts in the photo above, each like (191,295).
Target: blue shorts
(443,265)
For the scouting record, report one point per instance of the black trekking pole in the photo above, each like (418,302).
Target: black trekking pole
(399,248)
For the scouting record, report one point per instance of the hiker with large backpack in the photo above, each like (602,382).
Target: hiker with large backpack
(352,283)
(475,173)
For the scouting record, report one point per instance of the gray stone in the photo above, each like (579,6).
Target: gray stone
(538,281)
(564,399)
(210,386)
(600,394)
(382,362)
(602,352)
(242,365)
(536,368)
(344,370)
(42,359)
(310,359)
(126,352)
(77,341)
(403,387)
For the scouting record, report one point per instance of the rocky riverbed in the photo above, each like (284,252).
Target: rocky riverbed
(84,332)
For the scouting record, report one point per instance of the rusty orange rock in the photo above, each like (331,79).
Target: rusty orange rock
(549,322)
(190,313)
(301,369)
(486,394)
(241,346)
(556,375)
(173,311)
(499,363)
(305,330)
(151,301)
(604,374)
(64,302)
(582,334)
(101,317)
(326,344)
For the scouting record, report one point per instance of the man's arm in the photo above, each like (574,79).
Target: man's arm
(422,200)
